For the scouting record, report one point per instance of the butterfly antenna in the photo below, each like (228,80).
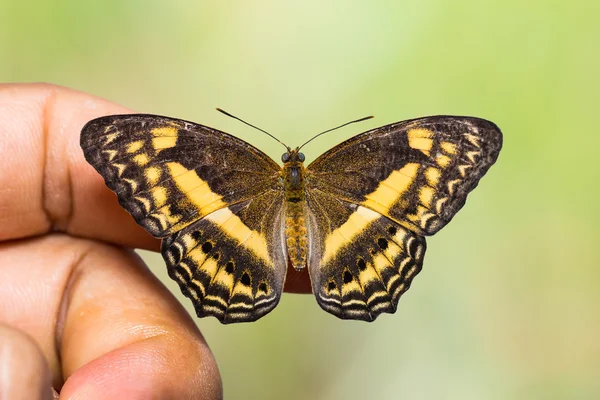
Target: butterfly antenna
(255,127)
(333,129)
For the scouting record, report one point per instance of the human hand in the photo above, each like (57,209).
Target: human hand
(78,309)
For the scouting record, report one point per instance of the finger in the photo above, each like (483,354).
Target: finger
(46,185)
(297,281)
(24,373)
(103,321)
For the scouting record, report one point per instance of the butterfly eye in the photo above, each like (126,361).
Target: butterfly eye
(301,157)
(285,157)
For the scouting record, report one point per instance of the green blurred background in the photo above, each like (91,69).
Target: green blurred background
(507,306)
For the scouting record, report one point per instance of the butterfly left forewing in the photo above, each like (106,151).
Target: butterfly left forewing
(168,173)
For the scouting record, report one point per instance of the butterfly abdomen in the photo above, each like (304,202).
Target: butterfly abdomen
(296,231)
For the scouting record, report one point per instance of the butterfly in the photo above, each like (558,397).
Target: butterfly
(231,218)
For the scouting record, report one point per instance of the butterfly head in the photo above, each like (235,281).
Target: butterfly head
(292,156)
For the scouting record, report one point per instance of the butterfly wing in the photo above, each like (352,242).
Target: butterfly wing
(360,262)
(168,173)
(198,189)
(231,263)
(375,196)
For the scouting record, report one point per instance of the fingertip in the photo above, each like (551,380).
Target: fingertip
(153,368)
(125,336)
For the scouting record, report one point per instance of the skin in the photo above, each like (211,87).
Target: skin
(79,311)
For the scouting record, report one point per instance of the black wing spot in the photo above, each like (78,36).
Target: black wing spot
(348,277)
(392,230)
(196,235)
(246,279)
(361,264)
(382,243)
(216,256)
(262,287)
(229,267)
(331,286)
(413,246)
(207,247)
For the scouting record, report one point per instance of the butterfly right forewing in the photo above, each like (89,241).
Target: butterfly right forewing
(417,172)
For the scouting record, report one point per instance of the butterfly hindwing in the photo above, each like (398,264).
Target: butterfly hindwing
(168,173)
(231,264)
(416,172)
(361,262)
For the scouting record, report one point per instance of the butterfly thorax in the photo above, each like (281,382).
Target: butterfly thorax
(296,232)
